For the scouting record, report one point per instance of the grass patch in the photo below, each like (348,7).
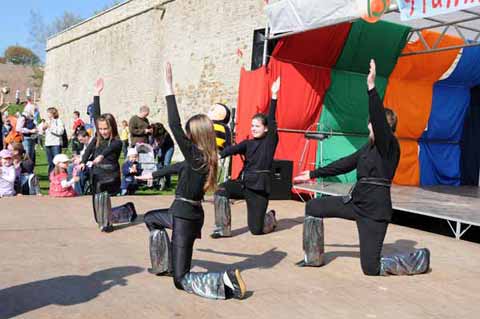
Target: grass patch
(41,170)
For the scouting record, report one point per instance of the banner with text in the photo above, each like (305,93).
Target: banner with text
(416,9)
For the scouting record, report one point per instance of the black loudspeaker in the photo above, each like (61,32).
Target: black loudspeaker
(281,180)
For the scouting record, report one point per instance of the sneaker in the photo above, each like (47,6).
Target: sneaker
(106,229)
(217,235)
(239,287)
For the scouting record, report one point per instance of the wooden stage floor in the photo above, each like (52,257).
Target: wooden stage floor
(456,205)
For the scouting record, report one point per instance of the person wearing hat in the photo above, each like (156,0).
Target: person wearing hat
(130,169)
(60,185)
(7,174)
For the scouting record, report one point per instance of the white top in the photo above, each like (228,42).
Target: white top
(7,180)
(53,134)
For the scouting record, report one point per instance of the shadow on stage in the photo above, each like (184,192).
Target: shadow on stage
(401,245)
(63,290)
(283,224)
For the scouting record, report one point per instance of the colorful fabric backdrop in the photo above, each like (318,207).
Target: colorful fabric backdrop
(324,88)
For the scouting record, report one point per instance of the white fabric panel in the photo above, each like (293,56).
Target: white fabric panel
(300,15)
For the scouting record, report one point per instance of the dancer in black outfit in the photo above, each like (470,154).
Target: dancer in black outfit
(254,183)
(103,153)
(369,202)
(197,174)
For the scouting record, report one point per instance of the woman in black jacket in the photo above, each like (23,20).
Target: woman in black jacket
(255,179)
(197,174)
(103,154)
(369,202)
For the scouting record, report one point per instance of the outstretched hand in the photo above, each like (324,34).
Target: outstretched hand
(168,79)
(372,75)
(303,177)
(275,88)
(99,86)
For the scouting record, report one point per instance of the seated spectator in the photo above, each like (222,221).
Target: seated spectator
(82,186)
(7,174)
(78,125)
(60,186)
(163,147)
(26,183)
(130,169)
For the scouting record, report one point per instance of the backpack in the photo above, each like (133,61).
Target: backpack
(64,140)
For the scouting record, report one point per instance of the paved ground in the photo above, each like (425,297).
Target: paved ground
(56,264)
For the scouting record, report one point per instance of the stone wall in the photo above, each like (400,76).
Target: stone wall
(199,37)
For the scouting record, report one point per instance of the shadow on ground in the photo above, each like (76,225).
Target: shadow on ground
(63,290)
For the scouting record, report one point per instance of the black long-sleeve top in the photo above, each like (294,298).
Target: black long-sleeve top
(258,155)
(379,159)
(192,172)
(110,149)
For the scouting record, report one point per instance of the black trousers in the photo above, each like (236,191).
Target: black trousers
(257,203)
(371,232)
(184,233)
(106,183)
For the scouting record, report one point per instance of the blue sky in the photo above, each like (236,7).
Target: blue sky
(15,17)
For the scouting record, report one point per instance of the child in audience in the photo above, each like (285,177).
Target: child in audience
(60,186)
(7,174)
(130,169)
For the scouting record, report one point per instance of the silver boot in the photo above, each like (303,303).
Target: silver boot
(102,208)
(270,222)
(313,242)
(160,252)
(208,285)
(417,262)
(125,213)
(223,217)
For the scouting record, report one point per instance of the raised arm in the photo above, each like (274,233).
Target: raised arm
(96,99)
(381,129)
(272,134)
(174,118)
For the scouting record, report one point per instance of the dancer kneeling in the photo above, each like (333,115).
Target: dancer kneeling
(254,184)
(369,202)
(197,174)
(103,154)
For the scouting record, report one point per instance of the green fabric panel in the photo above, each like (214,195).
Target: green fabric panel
(382,41)
(346,102)
(339,146)
(345,107)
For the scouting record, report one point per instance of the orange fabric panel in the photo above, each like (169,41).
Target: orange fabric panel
(408,170)
(409,94)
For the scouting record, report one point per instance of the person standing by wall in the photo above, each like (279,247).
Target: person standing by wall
(26,126)
(139,126)
(53,129)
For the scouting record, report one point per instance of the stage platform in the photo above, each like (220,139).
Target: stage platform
(456,205)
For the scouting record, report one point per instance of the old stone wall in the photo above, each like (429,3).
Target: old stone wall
(128,45)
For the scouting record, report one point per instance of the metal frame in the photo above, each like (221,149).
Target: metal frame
(456,25)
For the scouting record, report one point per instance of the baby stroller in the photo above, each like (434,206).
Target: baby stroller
(146,158)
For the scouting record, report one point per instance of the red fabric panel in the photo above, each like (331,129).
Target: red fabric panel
(320,47)
(253,97)
(300,101)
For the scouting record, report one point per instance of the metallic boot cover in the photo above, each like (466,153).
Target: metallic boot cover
(270,223)
(122,214)
(102,208)
(414,263)
(313,241)
(160,251)
(223,216)
(208,285)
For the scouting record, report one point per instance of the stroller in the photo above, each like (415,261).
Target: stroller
(146,157)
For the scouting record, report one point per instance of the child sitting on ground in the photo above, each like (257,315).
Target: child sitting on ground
(130,169)
(7,174)
(60,186)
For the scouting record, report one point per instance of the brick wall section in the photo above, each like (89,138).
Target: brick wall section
(200,38)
